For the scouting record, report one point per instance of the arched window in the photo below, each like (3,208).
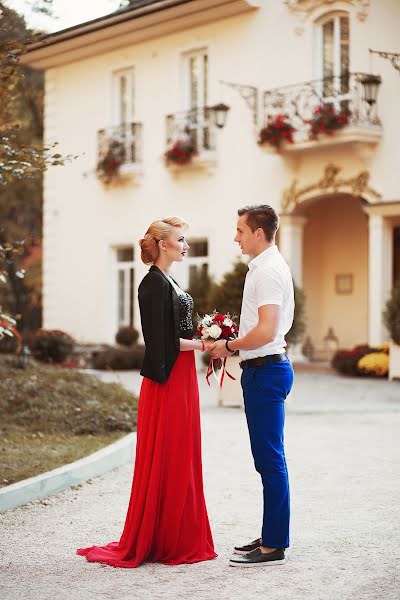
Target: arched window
(332,53)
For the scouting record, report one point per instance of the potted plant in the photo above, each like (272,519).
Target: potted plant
(180,153)
(391,318)
(277,130)
(327,119)
(109,165)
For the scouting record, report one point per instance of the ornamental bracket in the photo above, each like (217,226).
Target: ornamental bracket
(249,93)
(394,57)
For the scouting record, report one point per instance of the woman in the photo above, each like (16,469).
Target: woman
(167,518)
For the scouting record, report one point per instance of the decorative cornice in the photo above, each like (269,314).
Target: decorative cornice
(302,9)
(330,183)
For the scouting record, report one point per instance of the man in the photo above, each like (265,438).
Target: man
(266,317)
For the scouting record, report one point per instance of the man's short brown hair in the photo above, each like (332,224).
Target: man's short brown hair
(261,215)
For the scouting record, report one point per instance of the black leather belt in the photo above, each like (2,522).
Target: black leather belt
(263,360)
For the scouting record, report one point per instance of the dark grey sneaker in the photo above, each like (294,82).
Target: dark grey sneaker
(257,559)
(248,548)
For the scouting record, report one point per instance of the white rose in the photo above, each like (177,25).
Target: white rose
(205,334)
(215,331)
(228,322)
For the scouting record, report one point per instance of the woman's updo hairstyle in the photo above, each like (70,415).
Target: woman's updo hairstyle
(158,230)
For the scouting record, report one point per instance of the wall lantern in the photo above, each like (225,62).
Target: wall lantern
(220,112)
(370,85)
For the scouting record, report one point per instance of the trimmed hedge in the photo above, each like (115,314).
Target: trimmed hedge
(119,359)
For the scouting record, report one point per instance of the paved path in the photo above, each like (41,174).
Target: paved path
(342,445)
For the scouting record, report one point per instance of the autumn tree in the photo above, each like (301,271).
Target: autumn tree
(23,158)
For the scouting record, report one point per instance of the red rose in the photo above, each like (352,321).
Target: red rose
(226,331)
(218,318)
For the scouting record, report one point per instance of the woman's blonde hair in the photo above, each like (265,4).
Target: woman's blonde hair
(158,230)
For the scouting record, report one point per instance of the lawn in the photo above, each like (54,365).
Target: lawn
(50,416)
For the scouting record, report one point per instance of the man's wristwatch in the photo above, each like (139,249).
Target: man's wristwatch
(227,347)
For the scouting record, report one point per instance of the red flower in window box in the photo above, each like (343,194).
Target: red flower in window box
(277,130)
(109,165)
(180,153)
(327,119)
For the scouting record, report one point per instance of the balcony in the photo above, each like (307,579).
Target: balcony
(302,105)
(196,131)
(119,152)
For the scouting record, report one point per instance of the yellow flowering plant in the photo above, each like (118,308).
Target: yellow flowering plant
(375,363)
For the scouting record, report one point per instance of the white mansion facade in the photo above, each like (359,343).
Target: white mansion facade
(129,85)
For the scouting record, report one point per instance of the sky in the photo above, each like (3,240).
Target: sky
(68,13)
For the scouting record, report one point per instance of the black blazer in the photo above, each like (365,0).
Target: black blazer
(159,313)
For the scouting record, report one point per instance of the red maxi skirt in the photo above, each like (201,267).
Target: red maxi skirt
(167,518)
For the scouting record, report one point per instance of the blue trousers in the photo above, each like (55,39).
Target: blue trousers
(265,389)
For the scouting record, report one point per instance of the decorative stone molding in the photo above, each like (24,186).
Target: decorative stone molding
(330,183)
(302,9)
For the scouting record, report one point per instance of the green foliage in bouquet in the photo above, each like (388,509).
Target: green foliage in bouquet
(391,315)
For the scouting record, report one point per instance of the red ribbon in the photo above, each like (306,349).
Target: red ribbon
(211,371)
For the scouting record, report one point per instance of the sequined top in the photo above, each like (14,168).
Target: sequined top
(185,314)
(185,311)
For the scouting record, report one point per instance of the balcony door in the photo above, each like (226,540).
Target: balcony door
(123,96)
(196,98)
(333,37)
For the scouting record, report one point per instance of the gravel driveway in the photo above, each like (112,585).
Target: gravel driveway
(342,446)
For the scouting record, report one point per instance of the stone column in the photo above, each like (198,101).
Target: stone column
(380,268)
(291,244)
(291,247)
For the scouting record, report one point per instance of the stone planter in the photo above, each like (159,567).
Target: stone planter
(394,361)
(231,391)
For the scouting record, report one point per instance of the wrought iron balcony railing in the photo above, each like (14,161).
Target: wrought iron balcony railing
(195,125)
(122,143)
(301,103)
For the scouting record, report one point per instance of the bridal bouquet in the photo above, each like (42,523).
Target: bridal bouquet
(216,327)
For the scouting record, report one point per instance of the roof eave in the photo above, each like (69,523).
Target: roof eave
(124,28)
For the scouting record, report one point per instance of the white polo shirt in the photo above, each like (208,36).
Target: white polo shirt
(268,281)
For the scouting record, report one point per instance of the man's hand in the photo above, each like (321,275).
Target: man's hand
(208,345)
(218,350)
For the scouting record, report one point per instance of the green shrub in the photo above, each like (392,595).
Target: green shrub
(227,295)
(51,345)
(391,315)
(9,345)
(119,359)
(296,333)
(200,288)
(127,336)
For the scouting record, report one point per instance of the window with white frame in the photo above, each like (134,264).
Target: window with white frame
(196,98)
(126,134)
(123,96)
(332,54)
(124,285)
(195,264)
(197,259)
(196,79)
